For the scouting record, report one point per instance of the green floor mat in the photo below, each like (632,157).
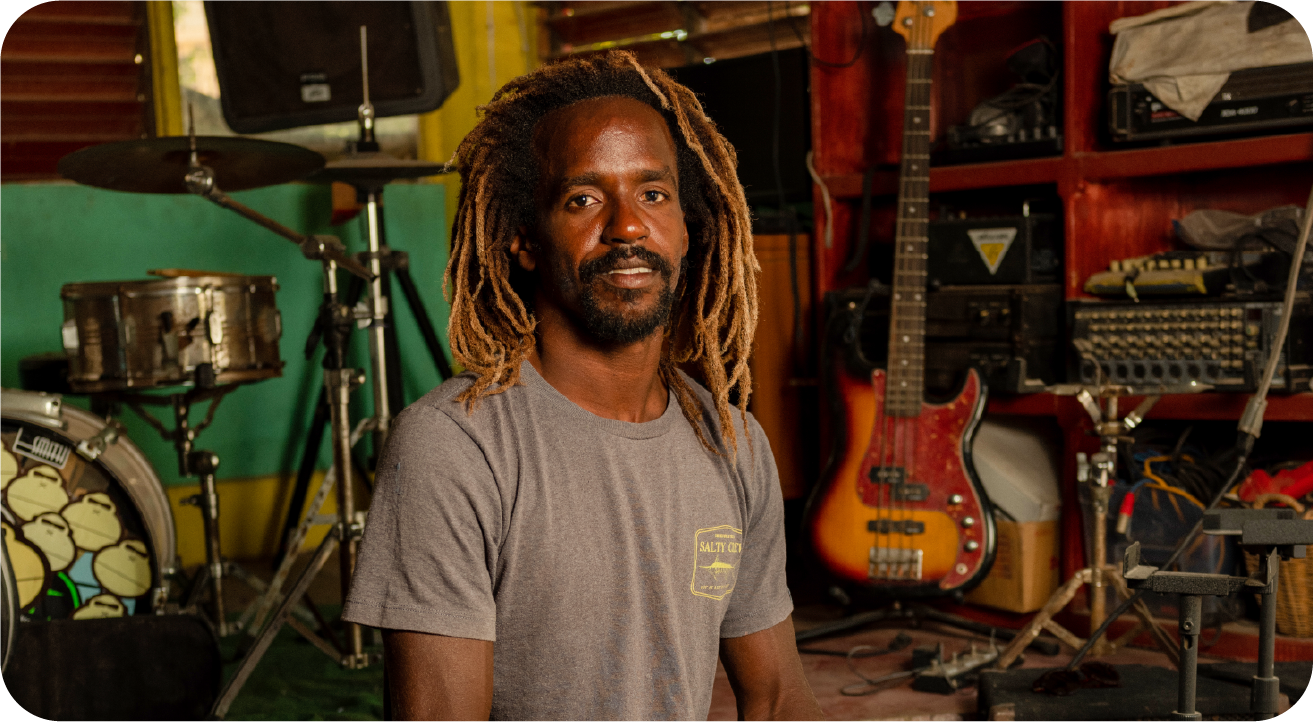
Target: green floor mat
(296,681)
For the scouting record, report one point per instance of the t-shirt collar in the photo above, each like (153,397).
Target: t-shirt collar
(579,415)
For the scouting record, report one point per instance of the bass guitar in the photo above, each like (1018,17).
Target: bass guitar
(903,513)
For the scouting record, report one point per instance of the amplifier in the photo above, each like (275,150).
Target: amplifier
(1222,342)
(1012,334)
(1010,250)
(1252,100)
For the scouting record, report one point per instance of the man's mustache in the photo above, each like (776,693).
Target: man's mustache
(591,270)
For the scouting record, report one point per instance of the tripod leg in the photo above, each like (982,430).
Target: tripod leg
(1052,607)
(256,611)
(266,638)
(425,323)
(309,459)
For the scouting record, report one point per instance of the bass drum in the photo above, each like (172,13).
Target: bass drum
(8,608)
(88,531)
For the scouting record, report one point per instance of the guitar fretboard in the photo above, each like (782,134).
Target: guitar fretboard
(906,385)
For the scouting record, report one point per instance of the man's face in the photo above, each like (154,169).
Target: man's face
(610,238)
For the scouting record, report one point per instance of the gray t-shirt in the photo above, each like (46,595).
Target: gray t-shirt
(605,558)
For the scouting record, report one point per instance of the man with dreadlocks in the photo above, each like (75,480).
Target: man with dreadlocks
(574,499)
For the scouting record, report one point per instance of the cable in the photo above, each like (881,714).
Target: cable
(825,198)
(1251,424)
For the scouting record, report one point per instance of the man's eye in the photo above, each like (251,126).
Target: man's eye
(581,200)
(654,196)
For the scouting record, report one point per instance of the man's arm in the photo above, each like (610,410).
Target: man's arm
(432,677)
(767,677)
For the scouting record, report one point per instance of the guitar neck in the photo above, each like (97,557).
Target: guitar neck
(907,306)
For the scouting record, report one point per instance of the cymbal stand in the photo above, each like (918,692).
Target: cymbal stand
(334,328)
(1099,472)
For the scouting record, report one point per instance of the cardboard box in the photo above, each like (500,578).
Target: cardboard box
(1025,570)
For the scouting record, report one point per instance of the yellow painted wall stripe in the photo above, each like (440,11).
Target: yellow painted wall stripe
(167,92)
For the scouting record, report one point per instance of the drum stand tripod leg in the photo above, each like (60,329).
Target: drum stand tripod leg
(266,637)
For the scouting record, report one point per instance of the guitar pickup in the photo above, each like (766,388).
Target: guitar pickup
(895,526)
(911,492)
(887,474)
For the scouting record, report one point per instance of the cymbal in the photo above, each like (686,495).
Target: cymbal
(159,165)
(376,167)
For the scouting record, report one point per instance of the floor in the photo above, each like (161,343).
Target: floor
(829,675)
(295,681)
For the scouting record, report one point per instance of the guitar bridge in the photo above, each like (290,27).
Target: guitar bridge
(895,526)
(889,563)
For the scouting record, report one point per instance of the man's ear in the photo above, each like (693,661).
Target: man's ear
(522,249)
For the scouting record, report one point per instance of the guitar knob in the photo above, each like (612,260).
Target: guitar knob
(955,499)
(968,522)
(972,545)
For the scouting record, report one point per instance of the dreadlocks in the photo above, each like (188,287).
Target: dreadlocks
(492,321)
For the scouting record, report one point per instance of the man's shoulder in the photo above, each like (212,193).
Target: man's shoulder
(443,408)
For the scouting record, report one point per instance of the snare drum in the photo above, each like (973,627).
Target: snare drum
(88,531)
(191,330)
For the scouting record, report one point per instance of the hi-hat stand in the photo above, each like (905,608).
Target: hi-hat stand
(1099,472)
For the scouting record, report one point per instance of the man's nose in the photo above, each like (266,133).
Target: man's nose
(627,224)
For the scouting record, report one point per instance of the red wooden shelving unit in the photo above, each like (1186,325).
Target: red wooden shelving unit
(1117,202)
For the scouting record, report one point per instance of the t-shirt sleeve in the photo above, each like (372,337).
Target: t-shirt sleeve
(761,596)
(428,555)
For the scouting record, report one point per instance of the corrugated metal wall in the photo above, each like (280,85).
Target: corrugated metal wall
(670,34)
(72,74)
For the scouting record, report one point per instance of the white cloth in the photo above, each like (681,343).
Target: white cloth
(1184,54)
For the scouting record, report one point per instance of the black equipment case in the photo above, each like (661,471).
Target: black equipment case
(1004,251)
(1012,334)
(1252,101)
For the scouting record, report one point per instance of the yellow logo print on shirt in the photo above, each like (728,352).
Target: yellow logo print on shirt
(716,561)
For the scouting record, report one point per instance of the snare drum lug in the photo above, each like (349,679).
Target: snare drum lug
(214,327)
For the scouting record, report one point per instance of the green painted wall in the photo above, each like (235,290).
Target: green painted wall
(52,234)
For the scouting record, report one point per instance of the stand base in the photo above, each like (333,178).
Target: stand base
(1043,620)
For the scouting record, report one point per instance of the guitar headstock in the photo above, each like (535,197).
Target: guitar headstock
(921,22)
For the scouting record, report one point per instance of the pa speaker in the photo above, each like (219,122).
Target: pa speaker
(292,64)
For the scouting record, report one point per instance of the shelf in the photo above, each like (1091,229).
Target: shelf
(1203,406)
(1106,165)
(1189,157)
(1024,404)
(1029,171)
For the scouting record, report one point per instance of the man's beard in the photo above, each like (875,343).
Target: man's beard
(613,327)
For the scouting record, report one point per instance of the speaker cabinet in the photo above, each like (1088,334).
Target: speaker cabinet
(292,64)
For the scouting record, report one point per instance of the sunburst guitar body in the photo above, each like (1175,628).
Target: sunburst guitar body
(903,512)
